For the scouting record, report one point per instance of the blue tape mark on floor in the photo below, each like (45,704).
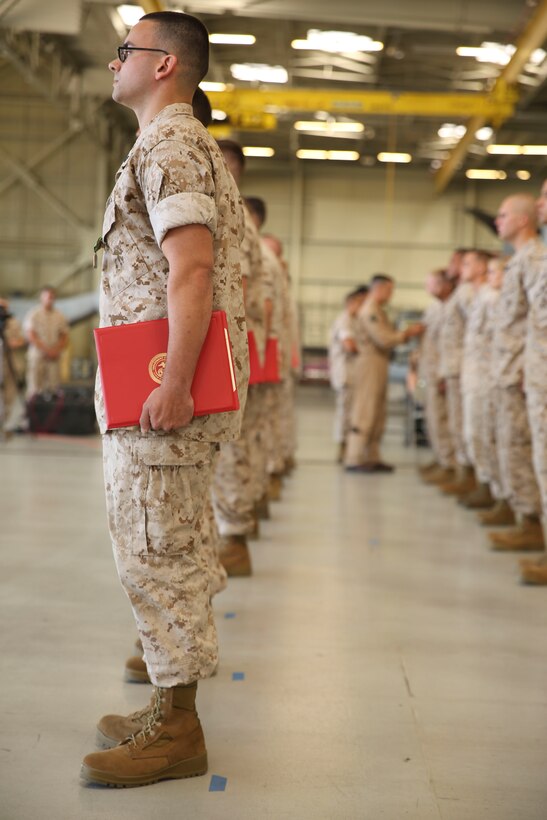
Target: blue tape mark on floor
(217,784)
(238,676)
(374,542)
(229,614)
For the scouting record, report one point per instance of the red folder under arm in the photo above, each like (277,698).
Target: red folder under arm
(132,360)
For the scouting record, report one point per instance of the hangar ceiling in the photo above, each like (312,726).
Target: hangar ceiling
(395,99)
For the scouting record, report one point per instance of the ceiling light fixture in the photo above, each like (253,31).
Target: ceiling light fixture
(130,14)
(524,175)
(451,131)
(391,156)
(232,39)
(329,127)
(482,173)
(259,72)
(219,115)
(314,153)
(258,151)
(484,133)
(528,150)
(337,42)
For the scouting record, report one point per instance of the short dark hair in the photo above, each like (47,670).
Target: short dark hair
(380,279)
(49,288)
(234,148)
(484,256)
(257,206)
(187,38)
(202,107)
(361,290)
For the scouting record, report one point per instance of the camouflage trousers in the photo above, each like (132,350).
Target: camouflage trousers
(514,444)
(259,444)
(288,418)
(490,447)
(536,401)
(436,416)
(156,492)
(42,374)
(455,419)
(233,490)
(275,460)
(474,432)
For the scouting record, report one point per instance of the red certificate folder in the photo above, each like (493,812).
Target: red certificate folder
(256,371)
(132,360)
(271,361)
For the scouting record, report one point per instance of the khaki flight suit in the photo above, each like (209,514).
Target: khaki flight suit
(455,312)
(514,438)
(157,483)
(376,339)
(44,374)
(436,409)
(342,372)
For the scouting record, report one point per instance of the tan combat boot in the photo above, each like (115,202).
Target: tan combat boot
(112,729)
(464,484)
(170,745)
(501,515)
(234,556)
(136,671)
(442,475)
(479,499)
(275,486)
(290,465)
(424,469)
(262,508)
(534,572)
(526,537)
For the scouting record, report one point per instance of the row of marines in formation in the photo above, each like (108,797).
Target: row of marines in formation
(484,366)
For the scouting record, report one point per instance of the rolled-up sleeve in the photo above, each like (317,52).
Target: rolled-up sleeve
(178,210)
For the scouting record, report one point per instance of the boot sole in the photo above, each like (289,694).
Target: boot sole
(236,572)
(194,767)
(497,547)
(136,677)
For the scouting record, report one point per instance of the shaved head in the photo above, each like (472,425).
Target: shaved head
(517,218)
(524,205)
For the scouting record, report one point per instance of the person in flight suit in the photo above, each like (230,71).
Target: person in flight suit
(378,339)
(171,236)
(47,332)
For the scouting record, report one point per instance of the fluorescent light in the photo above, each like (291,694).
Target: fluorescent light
(538,56)
(389,156)
(232,39)
(313,153)
(218,114)
(482,173)
(207,86)
(259,72)
(485,133)
(529,150)
(524,174)
(343,155)
(504,149)
(130,14)
(495,53)
(329,127)
(451,131)
(257,151)
(337,42)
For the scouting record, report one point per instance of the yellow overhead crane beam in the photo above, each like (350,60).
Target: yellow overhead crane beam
(150,6)
(532,37)
(259,105)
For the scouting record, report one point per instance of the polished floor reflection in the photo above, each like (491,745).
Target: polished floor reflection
(381,663)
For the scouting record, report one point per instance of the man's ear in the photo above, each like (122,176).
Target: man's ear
(166,67)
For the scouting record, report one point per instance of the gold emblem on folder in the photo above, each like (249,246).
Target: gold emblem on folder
(156,367)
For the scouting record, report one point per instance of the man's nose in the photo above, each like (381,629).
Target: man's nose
(114,65)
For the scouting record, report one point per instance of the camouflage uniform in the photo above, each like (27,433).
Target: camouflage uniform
(490,401)
(535,365)
(451,345)
(13,332)
(475,380)
(157,483)
(512,426)
(376,339)
(233,489)
(436,411)
(42,373)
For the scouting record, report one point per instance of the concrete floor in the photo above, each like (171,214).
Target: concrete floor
(393,667)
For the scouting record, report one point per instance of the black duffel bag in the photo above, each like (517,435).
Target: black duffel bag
(69,412)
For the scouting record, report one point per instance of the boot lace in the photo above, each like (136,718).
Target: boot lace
(154,716)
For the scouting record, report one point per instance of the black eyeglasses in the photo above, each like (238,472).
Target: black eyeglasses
(123,51)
